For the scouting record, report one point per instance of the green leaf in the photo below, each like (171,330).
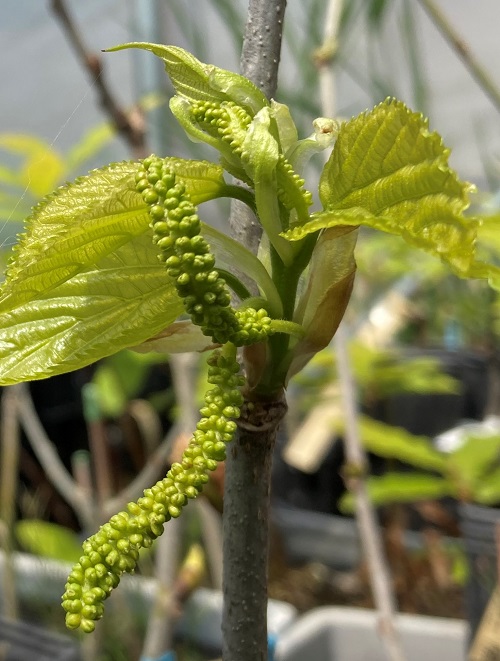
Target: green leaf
(119,301)
(231,255)
(389,172)
(48,540)
(180,337)
(42,168)
(203,180)
(329,285)
(396,443)
(262,151)
(73,228)
(196,81)
(470,464)
(400,488)
(487,490)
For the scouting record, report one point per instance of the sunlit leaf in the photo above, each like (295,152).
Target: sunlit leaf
(121,300)
(389,172)
(196,81)
(72,228)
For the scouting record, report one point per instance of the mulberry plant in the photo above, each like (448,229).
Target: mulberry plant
(120,258)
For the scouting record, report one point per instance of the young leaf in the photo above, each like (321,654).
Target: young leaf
(179,337)
(329,285)
(203,180)
(120,301)
(231,255)
(262,151)
(196,81)
(389,172)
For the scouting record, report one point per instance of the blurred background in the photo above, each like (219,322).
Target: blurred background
(424,350)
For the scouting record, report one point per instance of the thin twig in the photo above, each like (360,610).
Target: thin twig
(159,634)
(98,444)
(130,126)
(355,456)
(9,466)
(478,72)
(259,62)
(153,467)
(49,459)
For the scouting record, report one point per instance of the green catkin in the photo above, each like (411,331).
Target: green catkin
(230,122)
(114,549)
(189,261)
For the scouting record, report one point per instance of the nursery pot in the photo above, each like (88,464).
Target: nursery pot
(478,525)
(433,413)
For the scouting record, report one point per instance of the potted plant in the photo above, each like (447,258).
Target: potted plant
(88,267)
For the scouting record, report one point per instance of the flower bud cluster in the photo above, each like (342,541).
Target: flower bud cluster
(230,123)
(114,549)
(226,120)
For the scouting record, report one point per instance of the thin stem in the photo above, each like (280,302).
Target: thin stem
(9,474)
(259,63)
(98,444)
(478,72)
(49,459)
(129,125)
(369,532)
(355,456)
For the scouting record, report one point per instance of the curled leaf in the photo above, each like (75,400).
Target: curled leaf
(329,286)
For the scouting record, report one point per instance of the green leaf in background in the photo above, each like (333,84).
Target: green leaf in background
(120,378)
(487,490)
(396,443)
(389,172)
(400,488)
(42,167)
(471,463)
(120,301)
(48,540)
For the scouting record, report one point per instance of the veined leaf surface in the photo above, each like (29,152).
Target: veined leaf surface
(72,228)
(389,172)
(120,301)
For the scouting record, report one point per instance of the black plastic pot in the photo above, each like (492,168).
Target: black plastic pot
(478,531)
(432,414)
(20,641)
